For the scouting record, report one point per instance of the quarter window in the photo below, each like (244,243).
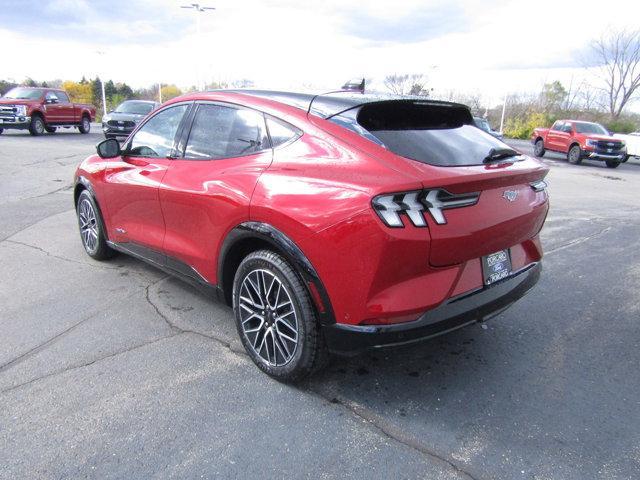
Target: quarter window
(224,132)
(155,138)
(281,132)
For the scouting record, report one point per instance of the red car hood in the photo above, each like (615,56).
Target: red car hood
(606,138)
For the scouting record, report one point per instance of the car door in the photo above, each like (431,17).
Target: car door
(131,183)
(553,136)
(565,137)
(53,108)
(207,191)
(65,107)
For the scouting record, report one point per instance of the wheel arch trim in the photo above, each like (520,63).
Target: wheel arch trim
(269,234)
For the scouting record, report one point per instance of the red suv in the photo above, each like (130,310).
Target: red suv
(331,223)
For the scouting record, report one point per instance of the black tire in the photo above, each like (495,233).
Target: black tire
(1,130)
(574,156)
(309,353)
(85,124)
(538,148)
(37,125)
(612,164)
(50,129)
(98,250)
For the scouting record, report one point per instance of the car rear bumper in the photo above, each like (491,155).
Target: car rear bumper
(455,313)
(15,122)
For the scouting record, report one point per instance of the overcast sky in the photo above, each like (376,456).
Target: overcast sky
(492,46)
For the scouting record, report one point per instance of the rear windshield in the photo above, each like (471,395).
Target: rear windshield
(437,134)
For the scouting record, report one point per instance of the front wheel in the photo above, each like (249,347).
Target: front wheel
(575,155)
(538,148)
(612,164)
(92,231)
(275,318)
(37,126)
(85,125)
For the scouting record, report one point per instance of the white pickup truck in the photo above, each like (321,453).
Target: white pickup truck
(632,142)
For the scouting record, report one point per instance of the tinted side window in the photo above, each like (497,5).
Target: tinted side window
(51,96)
(62,97)
(155,138)
(225,132)
(281,132)
(557,126)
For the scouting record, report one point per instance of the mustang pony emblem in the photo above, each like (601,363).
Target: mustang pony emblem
(510,195)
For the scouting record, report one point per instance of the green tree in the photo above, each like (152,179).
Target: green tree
(554,96)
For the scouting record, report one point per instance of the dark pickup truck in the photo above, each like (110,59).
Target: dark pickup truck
(41,110)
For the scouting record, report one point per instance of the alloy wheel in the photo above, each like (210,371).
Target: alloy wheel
(268,317)
(88,225)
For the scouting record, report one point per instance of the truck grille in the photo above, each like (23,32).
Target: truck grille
(7,110)
(609,144)
(121,123)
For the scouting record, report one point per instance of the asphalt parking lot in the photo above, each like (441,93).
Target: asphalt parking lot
(114,370)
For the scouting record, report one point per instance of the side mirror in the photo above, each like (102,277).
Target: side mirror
(108,148)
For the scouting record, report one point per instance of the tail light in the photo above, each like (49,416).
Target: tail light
(390,207)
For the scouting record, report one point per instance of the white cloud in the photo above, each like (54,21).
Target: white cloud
(493,47)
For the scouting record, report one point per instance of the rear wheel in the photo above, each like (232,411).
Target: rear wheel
(612,164)
(85,125)
(37,126)
(538,148)
(275,318)
(92,231)
(575,155)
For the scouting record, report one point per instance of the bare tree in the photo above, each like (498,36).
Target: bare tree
(412,84)
(618,55)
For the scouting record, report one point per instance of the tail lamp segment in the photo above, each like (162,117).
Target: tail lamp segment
(390,207)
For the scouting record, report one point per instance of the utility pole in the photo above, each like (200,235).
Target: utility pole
(198,9)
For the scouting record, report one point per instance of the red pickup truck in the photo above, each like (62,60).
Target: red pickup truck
(42,110)
(580,140)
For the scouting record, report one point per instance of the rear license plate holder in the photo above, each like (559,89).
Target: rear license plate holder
(496,266)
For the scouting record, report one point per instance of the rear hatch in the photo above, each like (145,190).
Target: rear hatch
(450,156)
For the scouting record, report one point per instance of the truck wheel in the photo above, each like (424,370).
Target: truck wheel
(538,148)
(275,318)
(50,129)
(37,125)
(575,155)
(612,164)
(85,125)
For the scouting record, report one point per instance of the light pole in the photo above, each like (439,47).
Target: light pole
(104,97)
(504,107)
(198,9)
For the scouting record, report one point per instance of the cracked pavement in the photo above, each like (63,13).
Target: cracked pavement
(115,370)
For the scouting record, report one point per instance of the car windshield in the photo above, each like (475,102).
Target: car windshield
(137,108)
(23,94)
(483,124)
(585,127)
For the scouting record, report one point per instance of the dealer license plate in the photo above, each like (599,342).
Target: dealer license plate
(496,266)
